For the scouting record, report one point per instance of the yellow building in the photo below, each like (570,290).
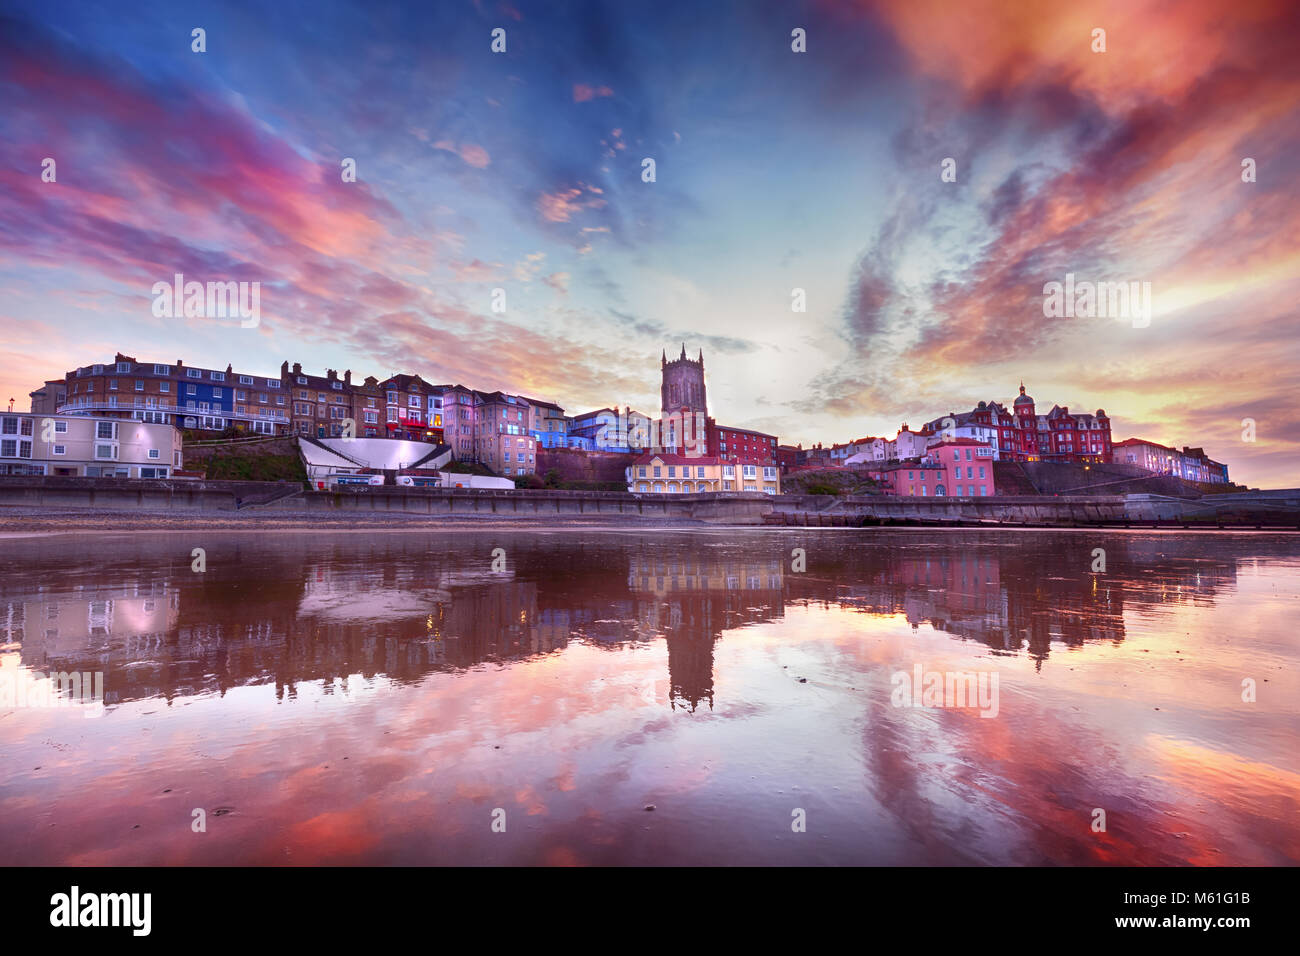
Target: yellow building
(670,474)
(674,474)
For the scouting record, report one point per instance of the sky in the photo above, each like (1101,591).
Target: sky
(775,171)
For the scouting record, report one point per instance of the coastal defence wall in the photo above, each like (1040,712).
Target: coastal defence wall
(1280,507)
(1010,509)
(126,494)
(208,497)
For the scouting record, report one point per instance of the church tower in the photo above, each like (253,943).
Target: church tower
(682,386)
(683,405)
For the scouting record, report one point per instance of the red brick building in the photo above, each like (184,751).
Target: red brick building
(1020,434)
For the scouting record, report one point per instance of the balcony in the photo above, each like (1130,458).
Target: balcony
(93,408)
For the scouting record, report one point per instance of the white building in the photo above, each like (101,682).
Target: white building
(907,444)
(84,446)
(325,458)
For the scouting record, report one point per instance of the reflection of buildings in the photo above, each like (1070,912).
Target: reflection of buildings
(87,625)
(691,598)
(1026,594)
(301,609)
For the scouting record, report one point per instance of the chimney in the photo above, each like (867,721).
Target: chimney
(230,370)
(179,365)
(297,368)
(347,377)
(284,369)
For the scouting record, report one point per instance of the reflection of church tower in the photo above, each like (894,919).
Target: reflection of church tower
(683,405)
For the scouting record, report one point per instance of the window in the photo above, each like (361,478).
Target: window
(218,376)
(112,385)
(108,452)
(981,471)
(272,383)
(193,373)
(162,369)
(153,454)
(106,430)
(191,390)
(245,380)
(60,449)
(164,386)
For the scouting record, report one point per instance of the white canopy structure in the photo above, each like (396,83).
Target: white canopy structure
(323,457)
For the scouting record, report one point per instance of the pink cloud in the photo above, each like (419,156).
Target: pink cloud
(582,92)
(471,153)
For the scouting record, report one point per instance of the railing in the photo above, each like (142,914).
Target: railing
(168,409)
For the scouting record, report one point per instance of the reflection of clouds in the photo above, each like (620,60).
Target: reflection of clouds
(567,744)
(384,605)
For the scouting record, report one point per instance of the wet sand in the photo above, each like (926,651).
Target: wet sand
(25,522)
(382,698)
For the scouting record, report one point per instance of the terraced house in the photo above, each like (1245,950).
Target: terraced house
(199,399)
(503,440)
(413,409)
(322,406)
(458,417)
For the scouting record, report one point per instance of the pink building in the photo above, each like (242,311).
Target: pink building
(960,467)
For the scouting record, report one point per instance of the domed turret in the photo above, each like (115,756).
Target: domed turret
(1022,398)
